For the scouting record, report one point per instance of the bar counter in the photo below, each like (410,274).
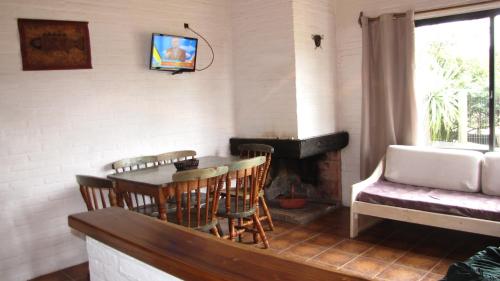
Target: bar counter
(183,253)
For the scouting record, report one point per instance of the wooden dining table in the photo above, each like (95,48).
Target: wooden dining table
(157,181)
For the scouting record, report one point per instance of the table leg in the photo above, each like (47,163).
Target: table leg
(161,206)
(119,195)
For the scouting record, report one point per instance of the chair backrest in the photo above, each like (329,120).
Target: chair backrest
(138,199)
(97,192)
(174,156)
(134,163)
(250,150)
(207,183)
(243,183)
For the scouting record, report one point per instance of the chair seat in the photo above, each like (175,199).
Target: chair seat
(152,209)
(232,191)
(172,218)
(236,214)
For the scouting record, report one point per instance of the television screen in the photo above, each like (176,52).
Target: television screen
(170,52)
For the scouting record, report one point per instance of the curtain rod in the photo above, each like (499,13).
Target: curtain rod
(398,15)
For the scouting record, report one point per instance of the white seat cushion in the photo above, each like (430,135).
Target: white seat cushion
(450,169)
(491,174)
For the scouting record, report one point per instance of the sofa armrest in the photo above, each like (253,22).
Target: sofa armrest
(374,177)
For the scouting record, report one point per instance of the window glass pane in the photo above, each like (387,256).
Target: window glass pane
(452,83)
(497,82)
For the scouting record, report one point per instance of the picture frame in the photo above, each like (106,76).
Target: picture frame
(54,44)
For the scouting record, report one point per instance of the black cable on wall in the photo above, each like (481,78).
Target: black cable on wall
(186,26)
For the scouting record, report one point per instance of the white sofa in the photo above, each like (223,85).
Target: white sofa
(454,189)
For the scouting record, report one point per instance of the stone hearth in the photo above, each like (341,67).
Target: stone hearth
(310,212)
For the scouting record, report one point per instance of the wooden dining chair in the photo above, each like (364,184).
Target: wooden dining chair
(174,156)
(201,214)
(134,163)
(254,150)
(245,178)
(97,192)
(147,201)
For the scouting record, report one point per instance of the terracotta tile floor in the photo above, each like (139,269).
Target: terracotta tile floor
(388,251)
(75,273)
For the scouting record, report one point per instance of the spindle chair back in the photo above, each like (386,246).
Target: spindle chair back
(244,182)
(97,192)
(174,156)
(256,149)
(193,185)
(250,150)
(142,200)
(134,163)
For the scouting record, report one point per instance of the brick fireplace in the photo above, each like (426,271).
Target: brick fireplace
(312,166)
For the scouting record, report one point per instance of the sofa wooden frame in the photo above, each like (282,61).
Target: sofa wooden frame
(364,215)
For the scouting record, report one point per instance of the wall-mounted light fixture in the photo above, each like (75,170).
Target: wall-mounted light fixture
(317,40)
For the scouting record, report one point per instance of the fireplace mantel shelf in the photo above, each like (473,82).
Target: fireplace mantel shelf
(298,148)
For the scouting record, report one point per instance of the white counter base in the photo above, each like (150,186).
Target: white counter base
(108,264)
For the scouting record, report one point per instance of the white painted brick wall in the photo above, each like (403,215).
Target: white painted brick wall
(348,59)
(109,264)
(264,68)
(315,68)
(283,87)
(55,124)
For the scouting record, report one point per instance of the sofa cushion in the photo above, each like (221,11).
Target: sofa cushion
(436,168)
(458,203)
(491,174)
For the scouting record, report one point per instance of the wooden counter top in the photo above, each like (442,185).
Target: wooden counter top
(189,254)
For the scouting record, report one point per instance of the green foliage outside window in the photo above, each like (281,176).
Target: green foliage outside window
(458,79)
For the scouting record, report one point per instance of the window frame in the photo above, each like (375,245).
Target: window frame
(491,14)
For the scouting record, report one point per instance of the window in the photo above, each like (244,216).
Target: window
(457,68)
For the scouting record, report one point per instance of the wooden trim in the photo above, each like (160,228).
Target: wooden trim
(458,17)
(473,225)
(429,11)
(460,6)
(189,254)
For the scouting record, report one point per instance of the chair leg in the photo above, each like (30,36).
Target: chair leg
(262,202)
(262,234)
(240,225)
(215,231)
(255,234)
(232,234)
(219,230)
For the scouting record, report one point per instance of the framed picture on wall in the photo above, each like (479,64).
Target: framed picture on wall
(54,44)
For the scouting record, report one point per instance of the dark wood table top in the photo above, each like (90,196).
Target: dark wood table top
(161,176)
(189,254)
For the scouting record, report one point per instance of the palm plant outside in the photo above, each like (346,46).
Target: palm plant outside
(456,99)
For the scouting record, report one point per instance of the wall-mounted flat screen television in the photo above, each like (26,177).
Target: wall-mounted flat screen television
(173,53)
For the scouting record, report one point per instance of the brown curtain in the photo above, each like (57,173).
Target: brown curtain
(389,110)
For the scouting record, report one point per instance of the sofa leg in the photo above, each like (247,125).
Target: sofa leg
(361,222)
(354,225)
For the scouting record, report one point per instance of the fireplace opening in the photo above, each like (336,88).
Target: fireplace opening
(317,178)
(311,166)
